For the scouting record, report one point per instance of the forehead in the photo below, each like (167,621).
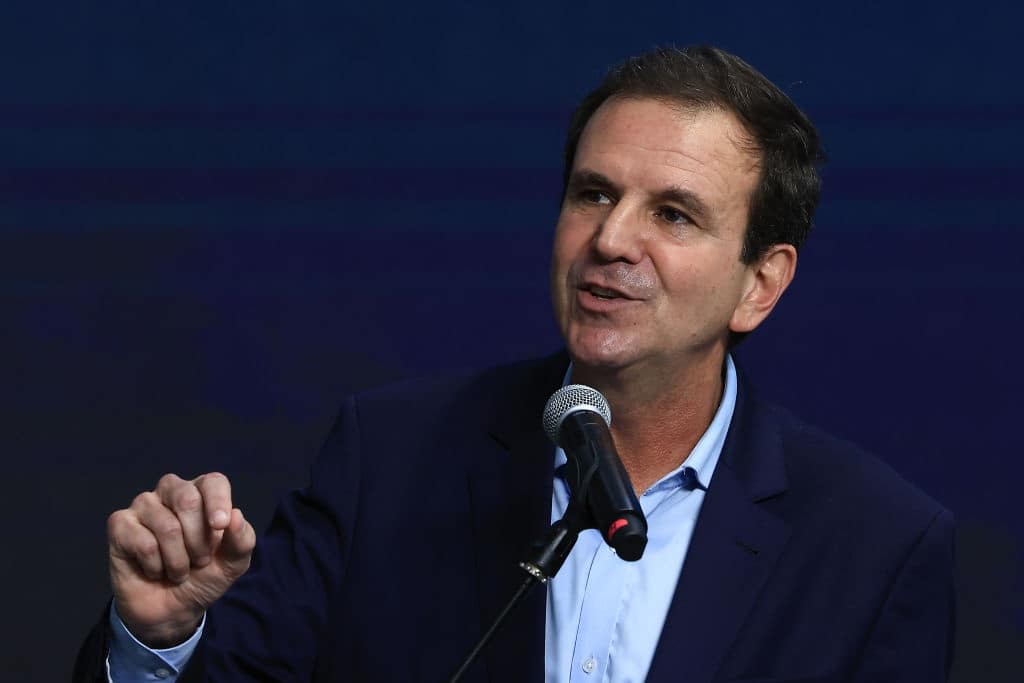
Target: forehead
(653,144)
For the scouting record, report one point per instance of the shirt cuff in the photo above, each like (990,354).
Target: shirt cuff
(130,660)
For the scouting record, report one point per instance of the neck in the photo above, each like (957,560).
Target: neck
(657,416)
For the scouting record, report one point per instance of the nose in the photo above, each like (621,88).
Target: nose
(621,234)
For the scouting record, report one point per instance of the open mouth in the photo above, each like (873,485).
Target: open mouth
(602,293)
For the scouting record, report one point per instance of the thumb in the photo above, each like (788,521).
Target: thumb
(237,543)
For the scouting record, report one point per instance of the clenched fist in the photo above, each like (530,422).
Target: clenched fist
(174,552)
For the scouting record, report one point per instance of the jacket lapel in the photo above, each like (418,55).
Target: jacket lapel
(510,495)
(735,545)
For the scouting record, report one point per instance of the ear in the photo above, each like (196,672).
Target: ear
(766,280)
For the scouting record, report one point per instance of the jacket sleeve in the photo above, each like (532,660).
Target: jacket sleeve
(91,663)
(912,639)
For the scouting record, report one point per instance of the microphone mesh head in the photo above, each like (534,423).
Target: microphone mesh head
(570,399)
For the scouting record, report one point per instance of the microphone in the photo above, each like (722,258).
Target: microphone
(576,418)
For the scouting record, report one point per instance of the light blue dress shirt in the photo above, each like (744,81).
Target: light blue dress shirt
(604,615)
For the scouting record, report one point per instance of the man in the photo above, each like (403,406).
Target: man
(776,553)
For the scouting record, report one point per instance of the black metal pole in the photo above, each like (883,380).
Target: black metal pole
(547,559)
(545,562)
(529,583)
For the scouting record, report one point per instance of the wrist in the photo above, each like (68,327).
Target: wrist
(167,634)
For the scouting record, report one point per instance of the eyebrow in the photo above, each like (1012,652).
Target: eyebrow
(585,176)
(688,199)
(685,198)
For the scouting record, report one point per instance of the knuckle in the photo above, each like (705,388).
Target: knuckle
(144,500)
(187,499)
(169,529)
(168,481)
(115,522)
(147,548)
(214,480)
(176,565)
(218,479)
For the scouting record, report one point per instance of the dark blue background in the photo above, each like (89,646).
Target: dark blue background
(216,220)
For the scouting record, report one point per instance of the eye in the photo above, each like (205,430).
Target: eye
(672,215)
(594,197)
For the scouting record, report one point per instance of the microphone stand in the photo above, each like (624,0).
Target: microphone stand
(547,558)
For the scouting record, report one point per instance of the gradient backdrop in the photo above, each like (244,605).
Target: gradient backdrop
(218,218)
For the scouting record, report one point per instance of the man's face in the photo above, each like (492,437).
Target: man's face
(646,268)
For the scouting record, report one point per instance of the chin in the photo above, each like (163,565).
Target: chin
(606,351)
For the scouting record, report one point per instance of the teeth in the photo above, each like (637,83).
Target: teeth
(603,293)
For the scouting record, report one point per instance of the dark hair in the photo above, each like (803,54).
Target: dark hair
(783,204)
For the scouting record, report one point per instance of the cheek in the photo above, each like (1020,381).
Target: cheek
(699,291)
(568,248)
(567,238)
(561,262)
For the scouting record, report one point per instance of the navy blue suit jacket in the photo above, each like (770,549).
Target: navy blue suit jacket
(811,560)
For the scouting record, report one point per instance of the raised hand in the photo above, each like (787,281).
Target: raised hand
(174,552)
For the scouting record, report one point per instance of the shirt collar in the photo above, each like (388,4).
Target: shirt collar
(704,456)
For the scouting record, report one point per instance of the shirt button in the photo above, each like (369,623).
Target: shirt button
(161,673)
(589,664)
